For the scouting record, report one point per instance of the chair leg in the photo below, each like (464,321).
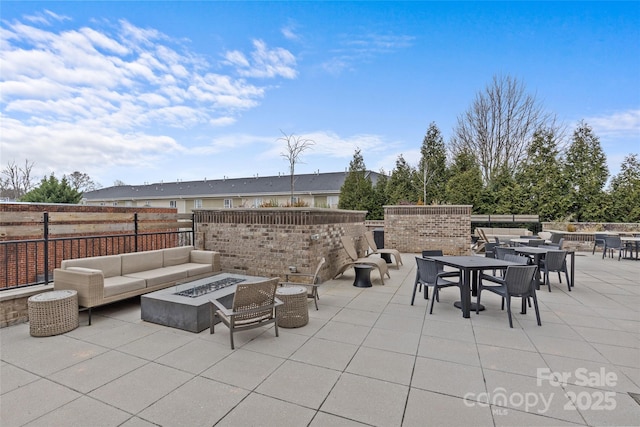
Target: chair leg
(535,304)
(566,273)
(231,338)
(509,311)
(433,299)
(415,288)
(478,300)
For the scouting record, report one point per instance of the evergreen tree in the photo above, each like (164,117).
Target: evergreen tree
(543,189)
(401,188)
(53,191)
(465,185)
(432,167)
(586,173)
(625,191)
(357,191)
(380,198)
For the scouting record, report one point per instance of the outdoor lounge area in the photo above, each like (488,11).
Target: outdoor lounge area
(365,357)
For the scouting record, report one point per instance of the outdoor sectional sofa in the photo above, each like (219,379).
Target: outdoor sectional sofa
(106,279)
(504,234)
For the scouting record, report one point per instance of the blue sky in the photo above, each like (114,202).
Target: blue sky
(164,91)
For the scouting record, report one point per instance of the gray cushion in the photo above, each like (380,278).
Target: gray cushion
(110,265)
(176,256)
(120,285)
(159,276)
(141,261)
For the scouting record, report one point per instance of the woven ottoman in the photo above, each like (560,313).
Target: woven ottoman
(294,313)
(53,313)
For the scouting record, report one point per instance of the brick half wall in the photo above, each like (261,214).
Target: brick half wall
(412,229)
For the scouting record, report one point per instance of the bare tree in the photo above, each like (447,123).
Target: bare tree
(82,182)
(17,180)
(296,145)
(499,126)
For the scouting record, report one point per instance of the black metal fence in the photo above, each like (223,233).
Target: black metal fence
(30,262)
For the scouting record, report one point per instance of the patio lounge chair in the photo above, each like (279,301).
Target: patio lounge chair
(518,282)
(254,305)
(375,250)
(351,251)
(310,281)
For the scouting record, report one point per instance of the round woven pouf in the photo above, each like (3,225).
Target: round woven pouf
(295,310)
(53,313)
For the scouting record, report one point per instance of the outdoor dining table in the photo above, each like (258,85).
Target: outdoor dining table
(537,253)
(470,266)
(629,240)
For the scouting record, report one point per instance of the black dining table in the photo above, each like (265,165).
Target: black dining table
(538,252)
(470,266)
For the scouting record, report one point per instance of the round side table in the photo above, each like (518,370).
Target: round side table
(53,313)
(363,276)
(294,313)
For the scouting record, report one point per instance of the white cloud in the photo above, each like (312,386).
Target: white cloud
(107,96)
(618,124)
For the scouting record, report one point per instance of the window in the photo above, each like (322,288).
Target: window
(115,203)
(332,201)
(147,203)
(128,203)
(172,204)
(257,202)
(228,203)
(197,204)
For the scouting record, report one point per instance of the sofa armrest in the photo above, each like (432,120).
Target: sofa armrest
(89,284)
(206,257)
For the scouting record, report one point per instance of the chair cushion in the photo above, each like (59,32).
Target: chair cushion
(110,265)
(176,256)
(120,285)
(141,261)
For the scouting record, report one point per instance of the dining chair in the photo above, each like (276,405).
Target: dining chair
(598,241)
(308,280)
(427,253)
(555,261)
(429,276)
(518,281)
(613,243)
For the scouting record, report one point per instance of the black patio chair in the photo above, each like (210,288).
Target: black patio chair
(598,241)
(555,261)
(518,282)
(429,276)
(613,243)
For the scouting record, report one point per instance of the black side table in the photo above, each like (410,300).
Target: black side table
(363,276)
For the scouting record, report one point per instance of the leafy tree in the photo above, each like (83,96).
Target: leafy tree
(625,191)
(380,198)
(498,126)
(53,191)
(540,178)
(432,169)
(586,172)
(357,191)
(502,196)
(465,185)
(401,188)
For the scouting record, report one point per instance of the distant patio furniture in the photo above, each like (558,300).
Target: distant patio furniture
(254,305)
(535,242)
(429,275)
(351,251)
(518,282)
(555,261)
(375,250)
(598,241)
(309,280)
(631,243)
(611,244)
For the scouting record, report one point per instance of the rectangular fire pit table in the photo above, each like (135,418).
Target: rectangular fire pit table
(186,305)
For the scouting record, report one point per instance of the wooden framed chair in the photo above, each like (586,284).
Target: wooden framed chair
(254,305)
(375,250)
(308,280)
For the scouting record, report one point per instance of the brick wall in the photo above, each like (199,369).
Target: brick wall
(412,229)
(266,241)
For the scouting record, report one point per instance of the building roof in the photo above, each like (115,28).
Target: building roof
(316,183)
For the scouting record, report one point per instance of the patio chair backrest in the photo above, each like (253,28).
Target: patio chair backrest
(427,270)
(554,260)
(516,258)
(432,252)
(599,238)
(349,247)
(535,242)
(613,242)
(371,241)
(555,237)
(489,249)
(519,279)
(502,251)
(253,296)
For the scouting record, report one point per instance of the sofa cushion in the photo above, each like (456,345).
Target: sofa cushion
(194,269)
(119,285)
(110,265)
(176,256)
(141,261)
(161,275)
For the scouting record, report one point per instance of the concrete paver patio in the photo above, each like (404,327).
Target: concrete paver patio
(367,357)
